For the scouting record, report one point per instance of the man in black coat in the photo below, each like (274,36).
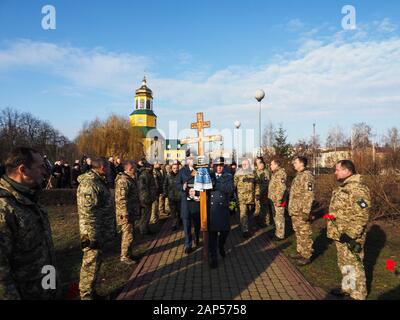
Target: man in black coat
(218,210)
(189,213)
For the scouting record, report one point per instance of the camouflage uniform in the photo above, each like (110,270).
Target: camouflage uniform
(127,207)
(147,195)
(262,206)
(155,207)
(174,196)
(350,205)
(26,246)
(97,227)
(276,193)
(248,191)
(300,203)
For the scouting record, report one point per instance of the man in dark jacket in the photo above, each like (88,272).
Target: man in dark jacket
(147,195)
(218,210)
(57,173)
(171,191)
(184,183)
(75,173)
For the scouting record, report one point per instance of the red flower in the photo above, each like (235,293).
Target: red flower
(329,216)
(283,204)
(390,264)
(73,291)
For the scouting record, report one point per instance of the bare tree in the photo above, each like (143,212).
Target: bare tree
(392,139)
(336,138)
(23,129)
(361,136)
(112,137)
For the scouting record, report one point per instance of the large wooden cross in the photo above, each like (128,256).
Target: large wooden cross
(200,125)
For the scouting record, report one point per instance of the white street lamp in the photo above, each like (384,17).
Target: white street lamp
(237,126)
(259,96)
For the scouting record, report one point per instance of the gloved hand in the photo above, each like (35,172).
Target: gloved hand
(353,244)
(344,238)
(87,243)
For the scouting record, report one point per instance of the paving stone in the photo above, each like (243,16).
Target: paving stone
(253,269)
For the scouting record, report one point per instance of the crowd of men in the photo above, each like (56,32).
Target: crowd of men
(144,191)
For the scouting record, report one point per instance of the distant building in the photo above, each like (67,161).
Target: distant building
(144,118)
(174,151)
(327,158)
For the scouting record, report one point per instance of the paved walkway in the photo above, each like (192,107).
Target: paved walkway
(252,270)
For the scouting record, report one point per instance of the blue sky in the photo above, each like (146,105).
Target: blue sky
(206,56)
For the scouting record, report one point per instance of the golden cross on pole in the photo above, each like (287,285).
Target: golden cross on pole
(200,140)
(200,125)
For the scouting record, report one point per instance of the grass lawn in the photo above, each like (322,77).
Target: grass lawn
(113,273)
(383,242)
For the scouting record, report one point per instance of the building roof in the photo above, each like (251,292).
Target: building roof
(144,111)
(144,88)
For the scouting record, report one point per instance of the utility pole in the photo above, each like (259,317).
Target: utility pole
(314,158)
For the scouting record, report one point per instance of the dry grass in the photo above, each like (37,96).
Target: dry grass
(113,274)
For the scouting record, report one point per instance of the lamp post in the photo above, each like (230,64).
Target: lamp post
(237,126)
(260,94)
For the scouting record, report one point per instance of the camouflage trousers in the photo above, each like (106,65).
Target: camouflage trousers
(126,239)
(175,207)
(144,219)
(91,262)
(354,281)
(279,219)
(244,211)
(161,205)
(303,234)
(264,213)
(155,211)
(167,207)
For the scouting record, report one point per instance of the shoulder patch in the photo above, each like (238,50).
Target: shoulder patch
(361,202)
(88,200)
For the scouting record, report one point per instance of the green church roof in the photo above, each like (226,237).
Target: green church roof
(144,111)
(145,130)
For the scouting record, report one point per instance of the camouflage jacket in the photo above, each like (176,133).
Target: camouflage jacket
(248,190)
(301,194)
(350,205)
(170,188)
(147,188)
(277,186)
(26,246)
(126,197)
(95,209)
(263,178)
(159,180)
